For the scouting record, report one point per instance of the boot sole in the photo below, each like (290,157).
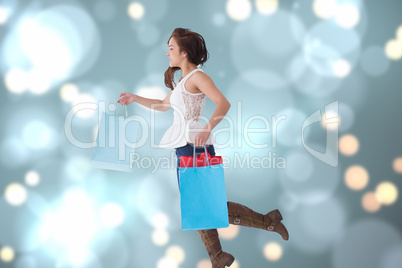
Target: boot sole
(230,261)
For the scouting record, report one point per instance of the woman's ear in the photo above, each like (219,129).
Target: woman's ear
(184,54)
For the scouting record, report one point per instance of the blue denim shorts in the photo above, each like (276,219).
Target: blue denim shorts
(187,150)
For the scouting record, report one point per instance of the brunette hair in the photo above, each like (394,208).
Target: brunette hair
(193,44)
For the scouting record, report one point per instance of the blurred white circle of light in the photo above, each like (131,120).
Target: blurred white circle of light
(393,49)
(160,237)
(69,92)
(38,135)
(397,165)
(167,262)
(136,10)
(76,196)
(7,254)
(324,9)
(38,82)
(392,257)
(78,257)
(204,264)
(157,13)
(52,43)
(266,47)
(235,264)
(370,202)
(229,233)
(307,81)
(152,84)
(15,194)
(73,222)
(13,152)
(16,80)
(387,193)
(148,34)
(320,186)
(321,224)
(266,7)
(356,177)
(330,120)
(176,253)
(399,33)
(219,19)
(85,111)
(111,215)
(26,262)
(160,221)
(289,130)
(348,145)
(374,62)
(273,251)
(299,166)
(341,68)
(32,178)
(361,246)
(333,121)
(154,92)
(238,10)
(105,10)
(3,15)
(347,15)
(326,42)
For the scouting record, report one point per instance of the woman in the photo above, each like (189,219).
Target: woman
(187,50)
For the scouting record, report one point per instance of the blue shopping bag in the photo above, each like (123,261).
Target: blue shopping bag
(115,142)
(203,197)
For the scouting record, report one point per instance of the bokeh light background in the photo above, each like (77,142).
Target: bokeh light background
(269,58)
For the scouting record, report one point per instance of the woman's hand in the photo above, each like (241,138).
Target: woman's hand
(201,138)
(126,98)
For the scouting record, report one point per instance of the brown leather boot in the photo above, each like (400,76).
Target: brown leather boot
(244,216)
(219,259)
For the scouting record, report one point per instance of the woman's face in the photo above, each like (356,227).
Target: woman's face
(175,57)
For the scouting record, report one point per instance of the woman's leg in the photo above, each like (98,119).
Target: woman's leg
(219,258)
(244,216)
(186,150)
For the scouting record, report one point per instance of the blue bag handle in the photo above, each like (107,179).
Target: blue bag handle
(206,155)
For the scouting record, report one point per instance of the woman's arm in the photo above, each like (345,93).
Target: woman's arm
(159,105)
(204,83)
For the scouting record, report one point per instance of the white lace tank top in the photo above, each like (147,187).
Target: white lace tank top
(188,108)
